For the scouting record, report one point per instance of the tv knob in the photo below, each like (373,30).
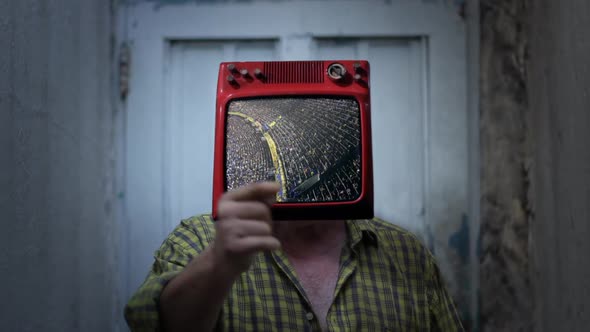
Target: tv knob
(232,80)
(258,73)
(336,71)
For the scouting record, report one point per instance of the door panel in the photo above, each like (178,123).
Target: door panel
(192,86)
(397,122)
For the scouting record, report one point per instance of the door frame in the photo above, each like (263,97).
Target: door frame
(149,27)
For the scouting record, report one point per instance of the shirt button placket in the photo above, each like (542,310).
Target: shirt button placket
(310,320)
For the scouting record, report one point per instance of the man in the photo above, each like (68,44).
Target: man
(245,272)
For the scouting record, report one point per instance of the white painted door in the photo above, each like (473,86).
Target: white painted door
(397,67)
(419,110)
(189,134)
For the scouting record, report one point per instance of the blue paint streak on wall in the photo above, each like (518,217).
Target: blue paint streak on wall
(430,240)
(478,248)
(460,240)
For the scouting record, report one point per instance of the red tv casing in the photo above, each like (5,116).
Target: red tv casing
(239,80)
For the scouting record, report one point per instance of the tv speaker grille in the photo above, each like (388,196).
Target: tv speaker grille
(294,72)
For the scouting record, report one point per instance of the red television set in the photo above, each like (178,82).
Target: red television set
(303,124)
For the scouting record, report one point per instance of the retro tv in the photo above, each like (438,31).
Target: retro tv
(303,124)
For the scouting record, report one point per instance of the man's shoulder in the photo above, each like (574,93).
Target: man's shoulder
(198,221)
(193,233)
(392,232)
(201,225)
(386,226)
(400,242)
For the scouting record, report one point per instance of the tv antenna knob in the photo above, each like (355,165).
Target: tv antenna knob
(336,71)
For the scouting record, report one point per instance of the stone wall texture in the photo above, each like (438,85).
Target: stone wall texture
(535,157)
(505,158)
(58,247)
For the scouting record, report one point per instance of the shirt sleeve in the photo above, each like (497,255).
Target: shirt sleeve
(142,310)
(443,314)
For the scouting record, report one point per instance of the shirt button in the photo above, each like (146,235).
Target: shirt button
(309,315)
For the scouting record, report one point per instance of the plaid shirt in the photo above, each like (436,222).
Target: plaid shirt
(387,281)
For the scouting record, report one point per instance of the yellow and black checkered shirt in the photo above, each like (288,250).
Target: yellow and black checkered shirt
(388,281)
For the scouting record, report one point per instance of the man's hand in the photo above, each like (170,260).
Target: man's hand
(192,300)
(244,226)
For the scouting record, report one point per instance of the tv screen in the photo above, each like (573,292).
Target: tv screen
(310,145)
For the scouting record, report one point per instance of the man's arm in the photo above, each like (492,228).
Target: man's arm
(192,299)
(142,310)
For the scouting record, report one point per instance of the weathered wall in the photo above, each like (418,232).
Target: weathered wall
(57,262)
(505,158)
(535,112)
(559,90)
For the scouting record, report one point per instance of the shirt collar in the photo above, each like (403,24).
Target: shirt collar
(361,230)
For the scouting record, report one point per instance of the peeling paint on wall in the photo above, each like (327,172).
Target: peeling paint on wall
(504,260)
(459,241)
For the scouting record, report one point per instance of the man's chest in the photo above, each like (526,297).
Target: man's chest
(284,295)
(318,279)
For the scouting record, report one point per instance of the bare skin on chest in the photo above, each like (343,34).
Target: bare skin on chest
(318,278)
(314,248)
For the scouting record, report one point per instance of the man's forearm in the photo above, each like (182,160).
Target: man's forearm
(193,299)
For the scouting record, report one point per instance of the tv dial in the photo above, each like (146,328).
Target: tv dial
(336,71)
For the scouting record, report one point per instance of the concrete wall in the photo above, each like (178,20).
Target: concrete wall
(559,94)
(535,120)
(506,301)
(57,256)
